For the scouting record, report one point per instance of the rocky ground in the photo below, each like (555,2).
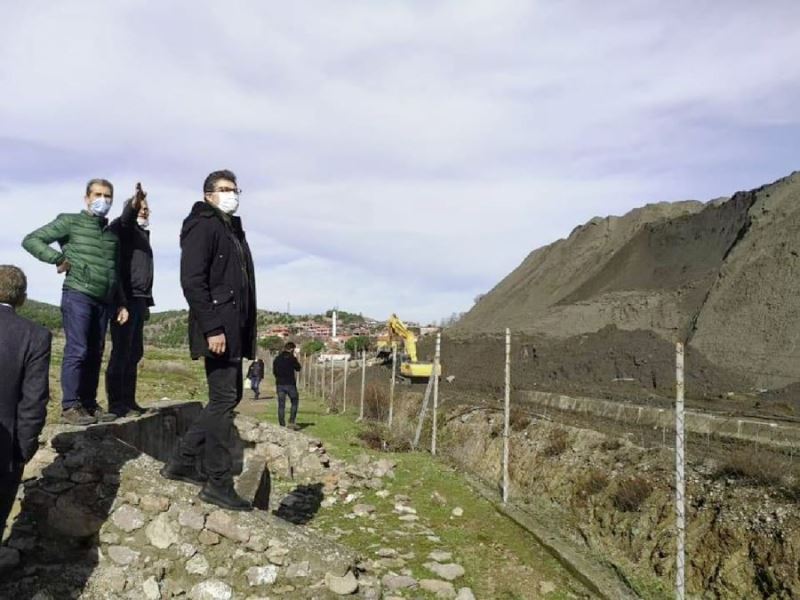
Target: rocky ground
(97,522)
(615,500)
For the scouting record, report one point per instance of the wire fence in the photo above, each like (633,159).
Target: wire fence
(689,443)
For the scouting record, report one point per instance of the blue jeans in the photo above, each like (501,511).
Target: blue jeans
(291,391)
(85,325)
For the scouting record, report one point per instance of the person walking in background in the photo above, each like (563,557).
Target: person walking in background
(136,278)
(284,367)
(89,255)
(24,371)
(218,282)
(255,373)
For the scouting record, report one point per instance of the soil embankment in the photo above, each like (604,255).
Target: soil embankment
(723,276)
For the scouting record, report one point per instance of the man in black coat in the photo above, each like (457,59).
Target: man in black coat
(136,277)
(255,373)
(284,368)
(218,282)
(25,389)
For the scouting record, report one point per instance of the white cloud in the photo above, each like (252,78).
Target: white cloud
(395,156)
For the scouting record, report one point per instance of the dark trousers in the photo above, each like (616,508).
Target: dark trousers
(9,484)
(210,438)
(126,351)
(85,324)
(291,391)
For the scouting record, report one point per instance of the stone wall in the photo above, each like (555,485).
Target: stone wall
(98,522)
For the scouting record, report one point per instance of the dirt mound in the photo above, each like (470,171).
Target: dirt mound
(611,363)
(724,276)
(552,273)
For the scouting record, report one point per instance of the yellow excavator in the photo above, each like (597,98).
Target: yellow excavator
(411,368)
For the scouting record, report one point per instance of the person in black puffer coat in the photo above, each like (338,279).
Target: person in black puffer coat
(218,281)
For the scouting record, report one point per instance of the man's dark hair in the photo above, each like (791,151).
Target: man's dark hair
(104,182)
(13,285)
(289,347)
(213,178)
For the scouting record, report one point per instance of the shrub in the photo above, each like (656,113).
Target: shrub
(557,442)
(592,483)
(754,467)
(631,493)
(611,445)
(376,402)
(378,436)
(519,419)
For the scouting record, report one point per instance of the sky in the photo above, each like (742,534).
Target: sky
(395,156)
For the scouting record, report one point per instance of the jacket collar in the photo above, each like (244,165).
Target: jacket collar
(102,220)
(201,208)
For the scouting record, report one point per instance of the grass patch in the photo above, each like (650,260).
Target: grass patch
(500,560)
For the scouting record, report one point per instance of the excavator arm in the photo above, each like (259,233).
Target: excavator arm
(399,329)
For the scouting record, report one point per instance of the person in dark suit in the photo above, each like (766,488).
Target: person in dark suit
(24,371)
(218,281)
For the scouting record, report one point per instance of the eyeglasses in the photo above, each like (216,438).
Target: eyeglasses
(234,190)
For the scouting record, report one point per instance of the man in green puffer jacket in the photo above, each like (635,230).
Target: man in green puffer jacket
(89,255)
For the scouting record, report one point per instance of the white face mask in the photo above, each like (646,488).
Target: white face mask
(143,223)
(228,202)
(100,207)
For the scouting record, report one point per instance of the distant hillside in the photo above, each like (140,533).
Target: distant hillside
(168,328)
(45,314)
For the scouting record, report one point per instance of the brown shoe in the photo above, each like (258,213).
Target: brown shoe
(102,416)
(77,416)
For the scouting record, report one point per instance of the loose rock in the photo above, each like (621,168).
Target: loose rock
(122,555)
(197,565)
(266,575)
(465,594)
(398,582)
(162,532)
(442,589)
(342,586)
(192,518)
(222,523)
(211,590)
(151,589)
(449,571)
(128,518)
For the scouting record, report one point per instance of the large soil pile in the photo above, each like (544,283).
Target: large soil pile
(722,276)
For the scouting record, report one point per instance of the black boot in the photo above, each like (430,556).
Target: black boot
(224,496)
(139,410)
(186,473)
